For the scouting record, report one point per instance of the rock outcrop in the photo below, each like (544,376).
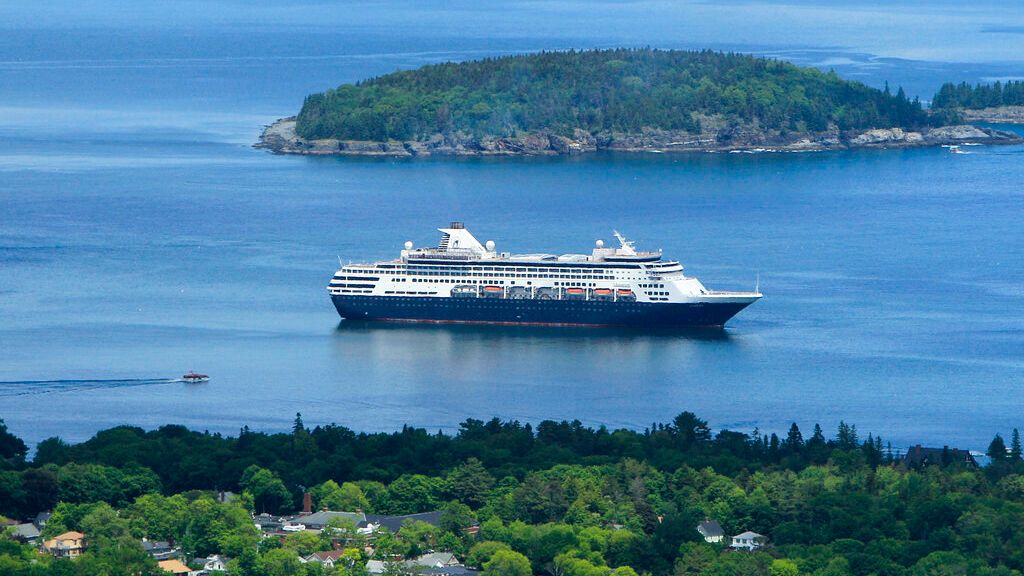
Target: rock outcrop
(996,115)
(716,135)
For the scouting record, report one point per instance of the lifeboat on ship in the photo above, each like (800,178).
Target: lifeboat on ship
(464,291)
(624,294)
(603,293)
(575,293)
(545,294)
(493,291)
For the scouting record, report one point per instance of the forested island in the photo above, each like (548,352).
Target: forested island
(504,498)
(619,99)
(994,102)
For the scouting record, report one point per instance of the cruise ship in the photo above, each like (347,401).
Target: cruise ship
(462,280)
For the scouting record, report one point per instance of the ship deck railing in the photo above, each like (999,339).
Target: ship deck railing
(442,256)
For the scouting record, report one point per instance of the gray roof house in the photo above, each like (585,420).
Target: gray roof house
(268,523)
(27,533)
(919,456)
(711,531)
(435,560)
(41,519)
(394,523)
(317,520)
(159,549)
(434,564)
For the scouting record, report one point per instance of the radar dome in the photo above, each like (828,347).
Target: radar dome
(599,243)
(490,245)
(408,244)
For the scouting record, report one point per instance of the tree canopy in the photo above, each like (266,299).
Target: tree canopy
(981,95)
(622,90)
(559,498)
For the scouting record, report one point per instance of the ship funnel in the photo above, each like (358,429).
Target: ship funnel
(457,226)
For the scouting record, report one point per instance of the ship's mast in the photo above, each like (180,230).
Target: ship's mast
(625,246)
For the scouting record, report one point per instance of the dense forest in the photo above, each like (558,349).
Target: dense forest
(964,95)
(558,499)
(620,90)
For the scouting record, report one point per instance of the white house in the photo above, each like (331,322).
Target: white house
(215,563)
(749,541)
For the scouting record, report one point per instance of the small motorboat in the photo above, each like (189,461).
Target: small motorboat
(193,378)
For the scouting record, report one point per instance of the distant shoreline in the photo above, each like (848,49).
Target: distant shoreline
(995,115)
(280,138)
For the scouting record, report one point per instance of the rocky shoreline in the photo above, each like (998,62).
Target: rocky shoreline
(716,136)
(996,115)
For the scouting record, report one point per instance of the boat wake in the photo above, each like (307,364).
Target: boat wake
(34,387)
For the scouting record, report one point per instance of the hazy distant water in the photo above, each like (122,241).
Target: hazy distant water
(141,237)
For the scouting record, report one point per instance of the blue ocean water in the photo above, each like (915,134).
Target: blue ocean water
(141,236)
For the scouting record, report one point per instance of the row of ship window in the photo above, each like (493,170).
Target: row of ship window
(499,275)
(484,303)
(488,275)
(497,282)
(460,269)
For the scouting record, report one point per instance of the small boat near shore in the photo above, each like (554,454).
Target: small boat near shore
(194,378)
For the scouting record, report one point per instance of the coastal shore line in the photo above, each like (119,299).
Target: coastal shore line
(280,137)
(995,115)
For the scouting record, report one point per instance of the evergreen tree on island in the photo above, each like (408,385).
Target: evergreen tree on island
(601,91)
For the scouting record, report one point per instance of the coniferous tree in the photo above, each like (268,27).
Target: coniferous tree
(623,90)
(846,437)
(997,449)
(1015,446)
(794,439)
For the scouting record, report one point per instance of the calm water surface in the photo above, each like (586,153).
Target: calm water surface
(141,237)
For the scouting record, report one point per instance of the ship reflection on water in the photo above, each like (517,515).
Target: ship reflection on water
(613,376)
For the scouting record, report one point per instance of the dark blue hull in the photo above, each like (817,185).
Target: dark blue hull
(557,312)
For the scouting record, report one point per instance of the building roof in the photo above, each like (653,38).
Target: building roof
(324,556)
(41,519)
(435,559)
(749,535)
(394,523)
(54,542)
(155,545)
(266,521)
(413,567)
(321,518)
(26,531)
(213,559)
(173,566)
(921,456)
(710,528)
